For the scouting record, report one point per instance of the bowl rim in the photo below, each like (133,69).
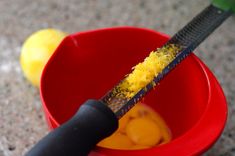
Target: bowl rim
(179,140)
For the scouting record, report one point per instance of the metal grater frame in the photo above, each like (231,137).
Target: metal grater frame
(187,39)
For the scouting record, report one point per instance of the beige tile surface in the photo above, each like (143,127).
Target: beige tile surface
(21,119)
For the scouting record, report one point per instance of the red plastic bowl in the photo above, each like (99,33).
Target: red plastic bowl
(88,64)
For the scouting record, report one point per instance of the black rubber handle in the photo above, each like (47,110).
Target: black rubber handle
(93,122)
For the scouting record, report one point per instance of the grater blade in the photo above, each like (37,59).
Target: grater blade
(187,39)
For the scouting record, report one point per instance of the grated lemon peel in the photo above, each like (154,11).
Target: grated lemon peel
(144,72)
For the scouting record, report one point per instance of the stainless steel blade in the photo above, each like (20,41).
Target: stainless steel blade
(187,39)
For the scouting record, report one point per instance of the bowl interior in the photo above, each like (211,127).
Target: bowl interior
(87,65)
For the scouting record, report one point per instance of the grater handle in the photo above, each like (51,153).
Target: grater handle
(225,4)
(93,122)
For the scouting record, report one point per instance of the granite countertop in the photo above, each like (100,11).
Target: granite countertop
(21,118)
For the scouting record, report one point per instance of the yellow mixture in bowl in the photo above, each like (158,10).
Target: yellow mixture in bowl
(140,128)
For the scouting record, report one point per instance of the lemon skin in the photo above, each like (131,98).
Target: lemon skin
(36,51)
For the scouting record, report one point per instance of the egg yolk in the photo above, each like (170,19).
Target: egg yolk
(117,141)
(140,128)
(143,131)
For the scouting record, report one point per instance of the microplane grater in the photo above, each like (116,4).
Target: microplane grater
(187,39)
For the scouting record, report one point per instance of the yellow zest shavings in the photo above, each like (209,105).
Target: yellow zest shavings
(144,72)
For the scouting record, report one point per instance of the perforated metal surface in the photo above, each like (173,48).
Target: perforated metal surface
(200,27)
(187,39)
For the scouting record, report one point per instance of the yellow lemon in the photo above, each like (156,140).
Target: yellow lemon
(36,51)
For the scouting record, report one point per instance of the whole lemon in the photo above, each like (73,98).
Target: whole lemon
(36,51)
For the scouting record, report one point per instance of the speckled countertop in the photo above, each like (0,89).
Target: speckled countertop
(21,118)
